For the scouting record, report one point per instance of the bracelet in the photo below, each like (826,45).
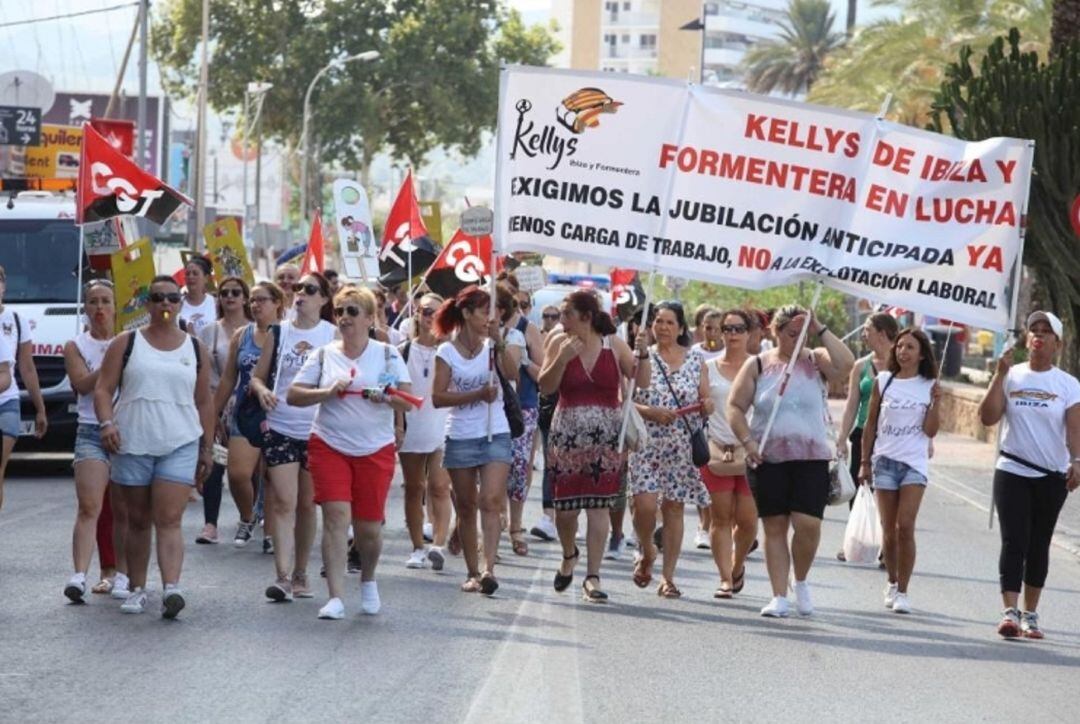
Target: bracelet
(105,423)
(822,331)
(746,440)
(642,356)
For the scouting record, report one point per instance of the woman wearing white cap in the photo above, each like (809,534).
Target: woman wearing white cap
(1038,467)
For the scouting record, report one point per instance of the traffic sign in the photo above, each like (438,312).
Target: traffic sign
(20,126)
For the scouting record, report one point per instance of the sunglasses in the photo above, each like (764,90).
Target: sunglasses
(550,315)
(342,311)
(427,312)
(235,292)
(308,289)
(260,298)
(733,328)
(170,297)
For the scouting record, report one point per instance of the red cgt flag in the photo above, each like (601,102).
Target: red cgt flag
(314,258)
(463,261)
(111,184)
(404,222)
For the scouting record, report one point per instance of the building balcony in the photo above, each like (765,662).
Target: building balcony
(626,52)
(759,27)
(629,20)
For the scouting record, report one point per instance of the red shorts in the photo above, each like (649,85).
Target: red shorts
(724,483)
(362,481)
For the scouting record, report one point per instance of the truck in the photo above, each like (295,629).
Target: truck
(39,250)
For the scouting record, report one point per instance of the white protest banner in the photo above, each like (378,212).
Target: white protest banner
(352,216)
(750,191)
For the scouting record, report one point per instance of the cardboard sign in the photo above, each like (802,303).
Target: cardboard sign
(431,211)
(102,238)
(477,221)
(352,220)
(132,272)
(225,246)
(530,278)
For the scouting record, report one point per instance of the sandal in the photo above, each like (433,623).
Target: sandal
(724,591)
(562,582)
(667,589)
(517,542)
(591,591)
(471,585)
(642,572)
(737,582)
(488,584)
(105,585)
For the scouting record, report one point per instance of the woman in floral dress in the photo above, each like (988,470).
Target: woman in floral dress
(663,473)
(586,364)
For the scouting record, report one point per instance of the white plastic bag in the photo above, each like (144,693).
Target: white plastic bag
(862,537)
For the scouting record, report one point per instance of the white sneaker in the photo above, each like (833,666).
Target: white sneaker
(631,539)
(437,558)
(615,549)
(172,601)
(369,598)
(901,604)
(416,558)
(890,595)
(135,602)
(702,540)
(803,604)
(334,610)
(76,588)
(120,588)
(428,532)
(544,529)
(777,608)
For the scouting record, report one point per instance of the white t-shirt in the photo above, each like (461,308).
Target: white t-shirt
(1034,422)
(351,424)
(297,345)
(707,354)
(6,355)
(12,337)
(719,389)
(470,421)
(425,429)
(93,352)
(197,317)
(900,435)
(218,349)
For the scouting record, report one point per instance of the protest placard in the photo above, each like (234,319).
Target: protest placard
(753,191)
(132,272)
(225,245)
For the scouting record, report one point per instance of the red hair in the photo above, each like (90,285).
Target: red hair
(451,314)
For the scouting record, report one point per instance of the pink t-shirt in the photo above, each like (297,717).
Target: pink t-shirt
(799,432)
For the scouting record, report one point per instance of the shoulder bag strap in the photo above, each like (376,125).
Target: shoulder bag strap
(667,381)
(279,341)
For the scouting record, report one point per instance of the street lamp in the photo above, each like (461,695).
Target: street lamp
(255,91)
(363,57)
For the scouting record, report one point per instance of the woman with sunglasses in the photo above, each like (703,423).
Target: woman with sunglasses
(160,432)
(267,305)
(549,318)
(663,473)
(791,476)
(1037,468)
(233,313)
(351,446)
(199,309)
(286,276)
(733,515)
(421,452)
(82,360)
(286,433)
(463,384)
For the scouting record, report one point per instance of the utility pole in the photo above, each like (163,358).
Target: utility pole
(200,141)
(140,124)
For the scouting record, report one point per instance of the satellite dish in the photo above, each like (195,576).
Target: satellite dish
(26,88)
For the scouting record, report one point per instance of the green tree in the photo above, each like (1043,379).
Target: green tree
(1065,27)
(831,308)
(1014,93)
(435,83)
(906,55)
(793,62)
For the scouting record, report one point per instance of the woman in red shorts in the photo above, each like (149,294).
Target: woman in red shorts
(725,475)
(351,449)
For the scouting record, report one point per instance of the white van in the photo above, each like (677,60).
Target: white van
(39,250)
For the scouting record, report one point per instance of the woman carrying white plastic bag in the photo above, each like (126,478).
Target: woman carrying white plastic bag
(896,441)
(862,536)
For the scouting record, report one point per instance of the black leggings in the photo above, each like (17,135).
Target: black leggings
(855,456)
(212,494)
(1027,511)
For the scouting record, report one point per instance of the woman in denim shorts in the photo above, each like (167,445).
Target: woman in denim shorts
(903,418)
(160,433)
(463,382)
(82,360)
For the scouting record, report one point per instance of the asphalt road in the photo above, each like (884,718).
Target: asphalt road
(437,655)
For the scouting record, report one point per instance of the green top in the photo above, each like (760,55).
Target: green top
(866,386)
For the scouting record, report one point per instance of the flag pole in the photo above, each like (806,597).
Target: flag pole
(628,402)
(79,290)
(944,350)
(492,359)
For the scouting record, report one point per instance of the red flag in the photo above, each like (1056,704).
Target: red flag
(627,293)
(463,261)
(112,185)
(314,259)
(405,221)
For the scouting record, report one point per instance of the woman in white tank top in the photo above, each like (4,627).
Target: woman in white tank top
(159,433)
(82,360)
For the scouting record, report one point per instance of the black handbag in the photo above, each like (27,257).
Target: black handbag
(250,416)
(511,406)
(699,440)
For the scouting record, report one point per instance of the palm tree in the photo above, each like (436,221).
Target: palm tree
(792,62)
(1065,26)
(852,6)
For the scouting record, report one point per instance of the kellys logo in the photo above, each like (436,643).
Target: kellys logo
(578,111)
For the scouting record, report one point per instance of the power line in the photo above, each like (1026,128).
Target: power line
(67,15)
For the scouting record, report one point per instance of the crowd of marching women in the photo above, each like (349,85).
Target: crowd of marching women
(304,395)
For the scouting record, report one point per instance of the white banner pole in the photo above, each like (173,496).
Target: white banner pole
(628,402)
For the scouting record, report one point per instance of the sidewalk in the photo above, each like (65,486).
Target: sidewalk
(964,468)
